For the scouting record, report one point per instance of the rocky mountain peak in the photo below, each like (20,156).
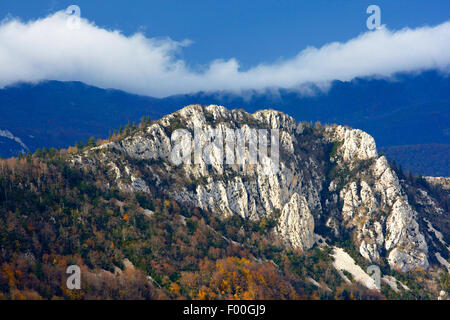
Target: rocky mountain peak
(330,182)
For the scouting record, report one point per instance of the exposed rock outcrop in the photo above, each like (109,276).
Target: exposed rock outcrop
(349,189)
(296,224)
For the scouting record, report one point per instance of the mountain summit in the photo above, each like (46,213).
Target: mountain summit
(332,198)
(330,176)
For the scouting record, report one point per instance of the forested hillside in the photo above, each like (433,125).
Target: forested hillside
(65,207)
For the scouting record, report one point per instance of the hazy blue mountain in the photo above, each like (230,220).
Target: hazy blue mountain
(9,146)
(56,114)
(413,110)
(427,159)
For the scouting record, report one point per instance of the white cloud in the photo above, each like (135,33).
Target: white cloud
(48,49)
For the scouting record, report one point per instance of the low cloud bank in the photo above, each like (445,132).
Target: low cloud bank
(51,48)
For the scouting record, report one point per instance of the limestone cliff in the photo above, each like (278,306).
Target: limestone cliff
(330,182)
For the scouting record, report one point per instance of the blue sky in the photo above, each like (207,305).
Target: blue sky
(234,45)
(251,31)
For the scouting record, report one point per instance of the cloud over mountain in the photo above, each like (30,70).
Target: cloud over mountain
(49,48)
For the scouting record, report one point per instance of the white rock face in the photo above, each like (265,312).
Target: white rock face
(370,251)
(342,261)
(375,204)
(153,145)
(252,193)
(296,224)
(368,198)
(364,196)
(403,236)
(238,198)
(387,183)
(214,196)
(356,144)
(260,194)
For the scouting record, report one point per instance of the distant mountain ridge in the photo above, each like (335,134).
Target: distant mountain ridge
(395,112)
(427,159)
(411,110)
(56,114)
